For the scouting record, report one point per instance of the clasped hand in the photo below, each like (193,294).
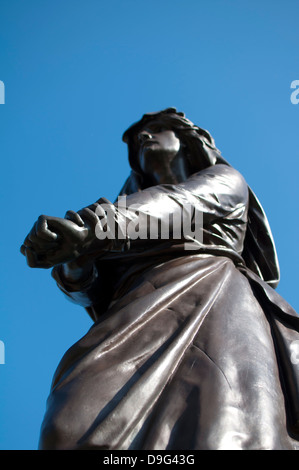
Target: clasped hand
(54,240)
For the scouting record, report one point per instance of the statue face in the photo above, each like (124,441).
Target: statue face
(158,146)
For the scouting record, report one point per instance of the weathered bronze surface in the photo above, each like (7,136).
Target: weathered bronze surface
(190,348)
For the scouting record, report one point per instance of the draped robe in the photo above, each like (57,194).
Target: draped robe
(189,349)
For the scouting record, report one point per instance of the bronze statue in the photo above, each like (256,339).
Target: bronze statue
(191,346)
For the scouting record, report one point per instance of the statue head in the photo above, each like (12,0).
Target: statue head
(198,146)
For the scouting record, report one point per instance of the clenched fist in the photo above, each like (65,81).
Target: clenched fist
(53,240)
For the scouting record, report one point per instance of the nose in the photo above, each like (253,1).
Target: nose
(143,136)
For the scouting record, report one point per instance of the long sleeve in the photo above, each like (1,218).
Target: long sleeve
(218,195)
(163,219)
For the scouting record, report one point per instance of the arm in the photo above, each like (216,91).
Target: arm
(219,193)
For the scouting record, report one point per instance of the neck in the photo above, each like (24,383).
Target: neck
(174,172)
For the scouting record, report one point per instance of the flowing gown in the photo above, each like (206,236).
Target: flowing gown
(189,349)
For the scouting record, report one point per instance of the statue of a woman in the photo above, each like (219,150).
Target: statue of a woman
(190,348)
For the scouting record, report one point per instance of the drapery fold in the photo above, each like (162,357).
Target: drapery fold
(189,349)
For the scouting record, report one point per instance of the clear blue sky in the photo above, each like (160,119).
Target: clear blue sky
(76,75)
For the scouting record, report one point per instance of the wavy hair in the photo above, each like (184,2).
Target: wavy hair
(199,145)
(259,251)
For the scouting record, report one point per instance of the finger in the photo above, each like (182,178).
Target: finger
(89,216)
(42,230)
(27,242)
(105,208)
(39,234)
(39,239)
(35,261)
(45,247)
(59,225)
(74,217)
(39,248)
(24,248)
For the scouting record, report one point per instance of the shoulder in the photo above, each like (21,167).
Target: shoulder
(221,170)
(222,181)
(224,175)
